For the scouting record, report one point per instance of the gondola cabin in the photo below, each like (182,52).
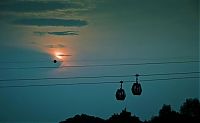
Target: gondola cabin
(120,93)
(136,89)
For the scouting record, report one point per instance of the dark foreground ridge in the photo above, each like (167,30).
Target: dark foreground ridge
(189,113)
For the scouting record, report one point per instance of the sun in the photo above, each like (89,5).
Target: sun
(59,55)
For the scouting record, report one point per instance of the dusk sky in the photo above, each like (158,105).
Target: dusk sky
(103,36)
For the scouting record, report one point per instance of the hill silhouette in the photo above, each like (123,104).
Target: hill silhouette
(189,113)
(83,119)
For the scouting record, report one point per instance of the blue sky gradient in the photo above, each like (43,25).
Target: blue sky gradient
(92,32)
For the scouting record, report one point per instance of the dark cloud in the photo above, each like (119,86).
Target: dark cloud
(64,33)
(35,6)
(50,22)
(57,33)
(55,46)
(39,33)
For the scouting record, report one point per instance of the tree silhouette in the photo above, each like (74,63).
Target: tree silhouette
(166,115)
(123,117)
(189,113)
(191,108)
(83,119)
(165,110)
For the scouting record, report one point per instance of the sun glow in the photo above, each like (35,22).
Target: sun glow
(56,48)
(59,55)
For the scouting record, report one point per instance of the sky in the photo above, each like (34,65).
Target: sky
(89,33)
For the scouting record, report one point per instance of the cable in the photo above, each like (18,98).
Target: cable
(11,61)
(83,60)
(95,83)
(163,74)
(94,77)
(64,78)
(102,65)
(174,78)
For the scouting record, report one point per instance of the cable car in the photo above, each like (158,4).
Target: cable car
(136,88)
(120,94)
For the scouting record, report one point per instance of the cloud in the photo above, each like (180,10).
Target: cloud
(64,33)
(13,9)
(50,22)
(57,33)
(36,6)
(55,46)
(40,33)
